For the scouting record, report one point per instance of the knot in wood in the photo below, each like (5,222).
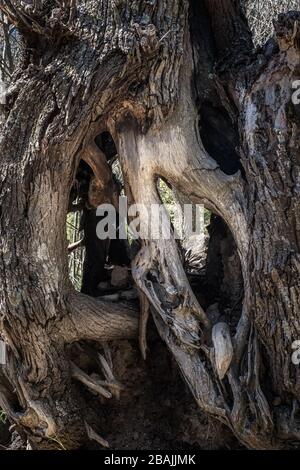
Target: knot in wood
(147,37)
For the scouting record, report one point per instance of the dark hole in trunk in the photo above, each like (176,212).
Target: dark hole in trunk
(219,137)
(211,260)
(97,264)
(215,273)
(145,380)
(106,143)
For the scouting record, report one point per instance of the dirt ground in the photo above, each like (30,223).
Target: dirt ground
(155,411)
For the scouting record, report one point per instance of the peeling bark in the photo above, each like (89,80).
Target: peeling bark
(143,71)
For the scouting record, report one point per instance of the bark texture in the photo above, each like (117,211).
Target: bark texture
(186,98)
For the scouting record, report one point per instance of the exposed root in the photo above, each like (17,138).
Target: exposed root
(144,316)
(93,384)
(111,382)
(107,353)
(94,319)
(95,437)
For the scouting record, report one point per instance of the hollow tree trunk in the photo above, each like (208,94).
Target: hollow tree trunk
(151,73)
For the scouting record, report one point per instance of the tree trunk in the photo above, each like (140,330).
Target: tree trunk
(186,97)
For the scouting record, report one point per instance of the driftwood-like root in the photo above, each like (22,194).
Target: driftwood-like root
(111,382)
(95,319)
(95,436)
(93,384)
(143,321)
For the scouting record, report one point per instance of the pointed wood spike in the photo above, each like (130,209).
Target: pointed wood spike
(222,347)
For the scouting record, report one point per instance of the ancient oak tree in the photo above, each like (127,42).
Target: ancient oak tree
(184,95)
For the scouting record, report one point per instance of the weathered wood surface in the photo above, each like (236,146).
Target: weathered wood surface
(145,71)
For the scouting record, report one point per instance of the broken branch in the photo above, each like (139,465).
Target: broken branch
(94,319)
(89,382)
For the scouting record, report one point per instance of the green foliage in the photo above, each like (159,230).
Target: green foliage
(165,192)
(207,217)
(76,258)
(2,416)
(167,198)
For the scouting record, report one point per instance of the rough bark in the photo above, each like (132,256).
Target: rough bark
(143,71)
